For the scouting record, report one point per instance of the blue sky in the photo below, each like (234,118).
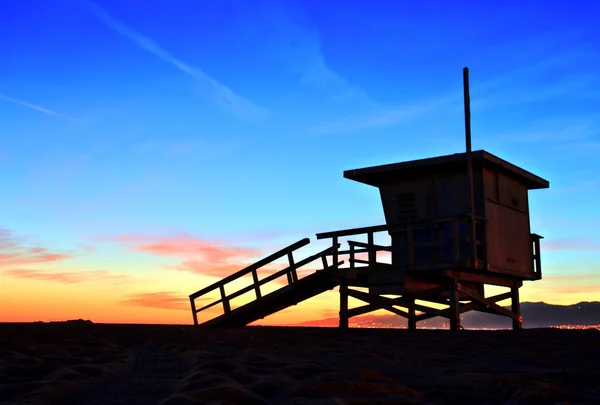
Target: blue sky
(234,120)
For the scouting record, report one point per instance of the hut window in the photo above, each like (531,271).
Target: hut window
(407,209)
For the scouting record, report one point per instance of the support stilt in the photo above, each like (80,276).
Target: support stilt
(516,308)
(412,321)
(343,304)
(454,310)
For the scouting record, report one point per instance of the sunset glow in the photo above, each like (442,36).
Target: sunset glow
(146,155)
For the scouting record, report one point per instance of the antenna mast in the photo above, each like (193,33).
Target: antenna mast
(467,99)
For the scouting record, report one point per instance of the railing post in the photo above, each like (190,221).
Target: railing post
(412,322)
(352,264)
(256,284)
(292,275)
(372,253)
(194,313)
(226,306)
(324,260)
(334,240)
(537,256)
(534,255)
(343,305)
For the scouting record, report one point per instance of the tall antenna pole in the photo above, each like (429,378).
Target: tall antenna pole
(471,200)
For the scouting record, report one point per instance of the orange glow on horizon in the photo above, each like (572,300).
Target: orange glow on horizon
(55,287)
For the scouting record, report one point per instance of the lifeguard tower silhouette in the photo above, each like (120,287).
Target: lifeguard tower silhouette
(456,223)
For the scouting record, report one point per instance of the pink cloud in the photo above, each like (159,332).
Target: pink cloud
(160,300)
(190,247)
(573,278)
(87,248)
(226,269)
(15,252)
(571,244)
(68,277)
(185,246)
(198,255)
(206,269)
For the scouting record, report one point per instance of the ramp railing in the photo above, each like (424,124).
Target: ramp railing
(289,271)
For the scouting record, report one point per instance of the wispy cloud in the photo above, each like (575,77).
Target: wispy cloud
(510,88)
(160,300)
(17,256)
(384,117)
(560,131)
(579,186)
(71,277)
(573,278)
(218,92)
(534,91)
(197,147)
(17,252)
(565,136)
(298,46)
(580,147)
(34,107)
(198,256)
(184,245)
(590,289)
(14,252)
(571,244)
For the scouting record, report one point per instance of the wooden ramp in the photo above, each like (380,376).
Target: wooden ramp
(296,290)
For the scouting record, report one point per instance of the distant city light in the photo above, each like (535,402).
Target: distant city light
(381,325)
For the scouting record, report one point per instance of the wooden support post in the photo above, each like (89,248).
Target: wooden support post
(352,256)
(516,308)
(372,254)
(256,284)
(292,275)
(334,244)
(412,321)
(343,304)
(454,310)
(537,260)
(226,306)
(194,312)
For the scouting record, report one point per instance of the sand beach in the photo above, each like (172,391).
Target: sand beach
(79,362)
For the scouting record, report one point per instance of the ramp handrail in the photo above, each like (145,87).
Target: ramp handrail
(290,271)
(252,267)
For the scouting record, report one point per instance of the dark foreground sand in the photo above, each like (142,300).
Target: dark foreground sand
(77,363)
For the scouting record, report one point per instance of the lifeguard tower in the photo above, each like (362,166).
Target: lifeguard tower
(456,223)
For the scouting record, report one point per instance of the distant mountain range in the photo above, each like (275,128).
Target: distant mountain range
(535,315)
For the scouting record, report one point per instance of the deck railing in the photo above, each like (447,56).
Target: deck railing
(537,257)
(411,229)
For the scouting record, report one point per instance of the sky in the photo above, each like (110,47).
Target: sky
(150,148)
